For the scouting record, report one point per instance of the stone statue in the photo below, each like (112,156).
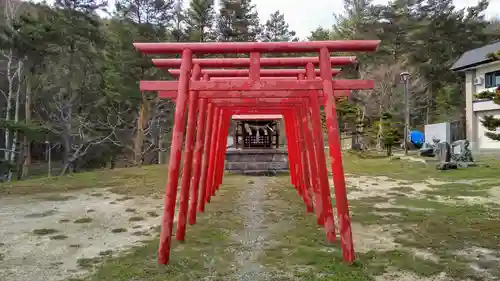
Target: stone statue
(461,153)
(430,150)
(444,156)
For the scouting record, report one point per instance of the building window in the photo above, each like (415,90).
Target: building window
(492,79)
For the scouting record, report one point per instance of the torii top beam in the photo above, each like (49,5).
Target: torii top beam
(259,47)
(245,62)
(246,72)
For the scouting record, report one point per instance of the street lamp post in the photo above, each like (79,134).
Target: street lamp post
(405,77)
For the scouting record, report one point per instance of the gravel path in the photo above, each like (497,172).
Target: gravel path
(250,206)
(40,239)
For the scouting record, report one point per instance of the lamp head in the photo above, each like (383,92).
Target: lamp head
(405,76)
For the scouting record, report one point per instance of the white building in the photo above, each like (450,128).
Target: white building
(481,73)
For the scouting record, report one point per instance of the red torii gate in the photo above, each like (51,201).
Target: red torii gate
(298,100)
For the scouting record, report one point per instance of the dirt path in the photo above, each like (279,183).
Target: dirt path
(250,206)
(57,236)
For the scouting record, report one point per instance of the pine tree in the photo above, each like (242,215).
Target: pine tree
(179,19)
(276,29)
(200,20)
(238,21)
(386,131)
(320,34)
(491,122)
(152,17)
(353,23)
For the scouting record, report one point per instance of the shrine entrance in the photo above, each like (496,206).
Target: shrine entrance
(209,97)
(257,149)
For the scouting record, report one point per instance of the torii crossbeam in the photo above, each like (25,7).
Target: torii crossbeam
(297,94)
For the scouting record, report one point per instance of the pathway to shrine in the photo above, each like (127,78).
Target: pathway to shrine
(255,227)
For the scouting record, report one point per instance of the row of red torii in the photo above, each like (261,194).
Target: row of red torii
(209,95)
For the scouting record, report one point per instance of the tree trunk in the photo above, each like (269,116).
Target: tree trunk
(19,164)
(26,141)
(428,111)
(10,92)
(379,134)
(139,134)
(12,155)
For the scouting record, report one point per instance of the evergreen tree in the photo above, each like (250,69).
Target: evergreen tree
(30,37)
(491,122)
(353,23)
(320,34)
(386,131)
(200,20)
(238,21)
(179,18)
(276,29)
(152,17)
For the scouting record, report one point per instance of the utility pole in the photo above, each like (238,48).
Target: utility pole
(405,77)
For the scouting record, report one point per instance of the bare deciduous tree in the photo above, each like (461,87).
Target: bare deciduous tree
(388,95)
(13,73)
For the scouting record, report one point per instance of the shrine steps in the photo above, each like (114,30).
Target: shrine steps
(256,161)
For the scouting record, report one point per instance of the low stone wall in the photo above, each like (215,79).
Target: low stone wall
(256,161)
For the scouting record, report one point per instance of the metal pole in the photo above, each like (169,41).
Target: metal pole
(160,141)
(49,158)
(407,116)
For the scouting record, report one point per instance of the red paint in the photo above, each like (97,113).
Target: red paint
(188,159)
(336,160)
(261,47)
(226,123)
(262,85)
(175,159)
(245,72)
(206,157)
(245,62)
(304,164)
(211,158)
(318,142)
(248,91)
(197,161)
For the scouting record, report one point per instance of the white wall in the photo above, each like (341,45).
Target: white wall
(483,141)
(474,108)
(482,70)
(440,131)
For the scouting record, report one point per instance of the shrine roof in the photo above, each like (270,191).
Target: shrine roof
(257,117)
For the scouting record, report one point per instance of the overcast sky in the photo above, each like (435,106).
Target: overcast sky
(304,16)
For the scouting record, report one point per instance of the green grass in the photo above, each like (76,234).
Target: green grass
(44,231)
(295,248)
(56,197)
(206,250)
(88,263)
(59,237)
(83,220)
(442,229)
(122,181)
(41,214)
(152,214)
(458,189)
(366,164)
(106,253)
